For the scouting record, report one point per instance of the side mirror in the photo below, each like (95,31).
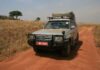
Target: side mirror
(72,27)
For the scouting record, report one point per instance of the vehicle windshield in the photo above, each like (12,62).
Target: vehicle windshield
(57,25)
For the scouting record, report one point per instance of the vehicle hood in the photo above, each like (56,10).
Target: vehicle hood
(51,31)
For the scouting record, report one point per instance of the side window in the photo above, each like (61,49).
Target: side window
(73,23)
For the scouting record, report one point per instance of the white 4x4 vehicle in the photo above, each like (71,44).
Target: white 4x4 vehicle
(60,33)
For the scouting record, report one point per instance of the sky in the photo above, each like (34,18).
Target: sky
(85,10)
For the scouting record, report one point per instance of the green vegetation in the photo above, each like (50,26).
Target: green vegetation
(2,17)
(15,14)
(12,15)
(38,19)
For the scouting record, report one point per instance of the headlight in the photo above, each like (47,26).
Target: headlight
(31,36)
(58,39)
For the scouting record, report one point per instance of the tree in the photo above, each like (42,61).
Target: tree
(38,19)
(15,14)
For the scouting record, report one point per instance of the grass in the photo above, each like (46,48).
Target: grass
(13,35)
(96,32)
(97,35)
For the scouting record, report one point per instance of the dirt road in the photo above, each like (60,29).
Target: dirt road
(86,57)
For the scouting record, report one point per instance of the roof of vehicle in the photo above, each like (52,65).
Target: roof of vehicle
(62,16)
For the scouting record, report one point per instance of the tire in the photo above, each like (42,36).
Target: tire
(75,43)
(30,42)
(67,49)
(77,39)
(36,50)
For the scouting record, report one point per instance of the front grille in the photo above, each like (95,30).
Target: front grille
(43,37)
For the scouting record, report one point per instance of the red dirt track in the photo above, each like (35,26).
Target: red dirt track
(86,57)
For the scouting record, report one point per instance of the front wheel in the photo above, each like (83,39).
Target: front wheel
(67,49)
(36,50)
(77,39)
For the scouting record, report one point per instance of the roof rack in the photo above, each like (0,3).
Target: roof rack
(67,15)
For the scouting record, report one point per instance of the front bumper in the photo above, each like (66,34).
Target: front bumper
(51,44)
(55,42)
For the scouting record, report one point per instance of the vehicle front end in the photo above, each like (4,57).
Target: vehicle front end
(46,40)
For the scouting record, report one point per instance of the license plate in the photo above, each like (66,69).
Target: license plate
(42,43)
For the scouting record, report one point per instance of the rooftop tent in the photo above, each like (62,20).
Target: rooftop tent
(69,15)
